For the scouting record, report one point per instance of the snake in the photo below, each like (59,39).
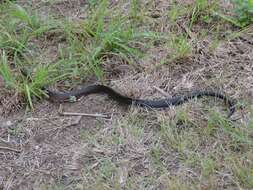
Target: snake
(56,96)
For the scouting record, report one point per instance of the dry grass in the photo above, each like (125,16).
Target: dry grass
(188,147)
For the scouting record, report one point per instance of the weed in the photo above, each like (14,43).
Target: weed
(202,9)
(179,46)
(176,11)
(242,169)
(243,13)
(11,40)
(40,78)
(135,9)
(6,72)
(105,35)
(31,85)
(93,3)
(20,13)
(239,135)
(107,169)
(208,166)
(116,39)
(17,27)
(243,10)
(199,10)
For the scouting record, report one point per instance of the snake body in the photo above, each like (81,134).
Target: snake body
(162,103)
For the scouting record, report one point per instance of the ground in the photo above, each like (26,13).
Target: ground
(192,146)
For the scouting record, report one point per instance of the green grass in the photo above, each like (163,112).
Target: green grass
(18,27)
(6,72)
(88,44)
(176,12)
(102,35)
(180,47)
(243,10)
(202,10)
(242,13)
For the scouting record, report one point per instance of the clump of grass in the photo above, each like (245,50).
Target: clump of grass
(208,166)
(242,169)
(202,9)
(135,9)
(116,37)
(199,12)
(20,13)
(17,27)
(243,10)
(176,11)
(11,40)
(5,72)
(92,3)
(105,33)
(243,13)
(179,47)
(31,85)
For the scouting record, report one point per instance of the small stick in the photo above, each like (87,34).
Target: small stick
(11,149)
(162,91)
(84,114)
(61,112)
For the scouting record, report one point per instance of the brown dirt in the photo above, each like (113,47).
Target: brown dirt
(54,151)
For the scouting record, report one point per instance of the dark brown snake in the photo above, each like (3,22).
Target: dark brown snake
(162,103)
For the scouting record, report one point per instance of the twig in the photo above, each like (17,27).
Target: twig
(161,91)
(61,112)
(11,149)
(84,114)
